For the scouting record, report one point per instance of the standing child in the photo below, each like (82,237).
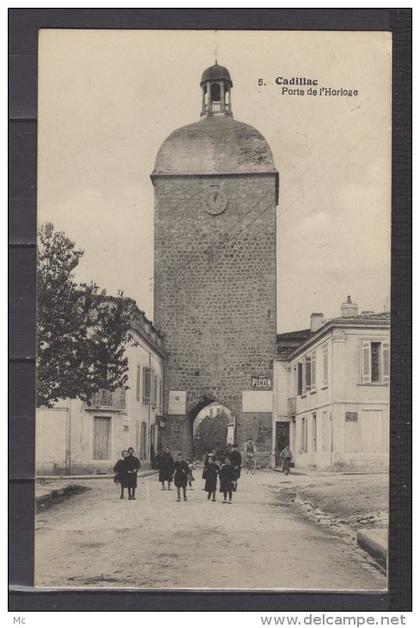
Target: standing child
(181,477)
(121,472)
(227,478)
(190,476)
(133,465)
(236,460)
(212,472)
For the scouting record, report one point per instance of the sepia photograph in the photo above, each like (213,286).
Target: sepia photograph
(213,310)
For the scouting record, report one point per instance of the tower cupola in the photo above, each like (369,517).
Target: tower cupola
(216,85)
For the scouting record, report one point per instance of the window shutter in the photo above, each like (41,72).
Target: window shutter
(147,376)
(365,362)
(325,365)
(138,383)
(154,389)
(313,371)
(385,362)
(308,372)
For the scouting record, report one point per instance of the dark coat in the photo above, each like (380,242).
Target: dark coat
(236,460)
(166,467)
(212,471)
(121,472)
(133,465)
(227,477)
(181,473)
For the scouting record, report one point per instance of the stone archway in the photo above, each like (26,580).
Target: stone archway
(207,411)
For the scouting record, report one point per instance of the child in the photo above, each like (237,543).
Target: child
(121,472)
(190,476)
(181,477)
(212,472)
(227,478)
(133,466)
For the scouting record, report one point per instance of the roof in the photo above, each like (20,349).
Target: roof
(214,145)
(292,342)
(294,335)
(216,73)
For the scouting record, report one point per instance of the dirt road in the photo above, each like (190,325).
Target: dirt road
(97,540)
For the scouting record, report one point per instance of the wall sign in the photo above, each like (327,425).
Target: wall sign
(177,402)
(261,382)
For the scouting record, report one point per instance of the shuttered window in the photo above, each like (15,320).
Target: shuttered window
(308,373)
(325,365)
(138,383)
(313,370)
(374,362)
(385,362)
(300,378)
(154,389)
(147,385)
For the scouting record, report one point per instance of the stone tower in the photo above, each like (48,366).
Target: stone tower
(216,191)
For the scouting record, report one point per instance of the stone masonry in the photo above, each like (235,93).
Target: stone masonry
(215,277)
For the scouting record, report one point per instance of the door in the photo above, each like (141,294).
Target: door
(101,438)
(282,438)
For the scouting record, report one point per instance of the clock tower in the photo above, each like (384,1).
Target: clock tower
(216,191)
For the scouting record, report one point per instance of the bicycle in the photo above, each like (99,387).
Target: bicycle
(251,464)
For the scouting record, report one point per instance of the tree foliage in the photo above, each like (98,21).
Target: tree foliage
(81,332)
(212,433)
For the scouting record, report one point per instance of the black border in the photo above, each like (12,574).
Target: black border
(23,31)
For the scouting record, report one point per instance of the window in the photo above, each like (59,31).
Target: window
(310,371)
(161,396)
(374,363)
(326,430)
(138,383)
(300,378)
(313,370)
(314,434)
(154,389)
(325,364)
(101,438)
(147,384)
(215,92)
(143,440)
(304,435)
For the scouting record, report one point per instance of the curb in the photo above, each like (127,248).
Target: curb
(374,541)
(58,495)
(105,476)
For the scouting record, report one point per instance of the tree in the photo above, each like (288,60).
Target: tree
(212,433)
(81,332)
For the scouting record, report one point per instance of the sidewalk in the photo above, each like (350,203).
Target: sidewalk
(354,506)
(53,489)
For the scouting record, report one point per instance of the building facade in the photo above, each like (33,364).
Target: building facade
(331,392)
(216,191)
(74,437)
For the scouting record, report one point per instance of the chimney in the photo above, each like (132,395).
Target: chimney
(349,309)
(317,318)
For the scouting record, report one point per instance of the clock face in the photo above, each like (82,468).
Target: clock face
(215,200)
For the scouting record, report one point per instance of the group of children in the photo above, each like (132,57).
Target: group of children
(180,472)
(126,470)
(228,475)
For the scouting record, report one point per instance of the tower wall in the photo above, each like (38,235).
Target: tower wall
(215,297)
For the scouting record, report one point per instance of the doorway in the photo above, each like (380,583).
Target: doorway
(282,438)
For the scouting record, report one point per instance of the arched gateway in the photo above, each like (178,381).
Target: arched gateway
(216,191)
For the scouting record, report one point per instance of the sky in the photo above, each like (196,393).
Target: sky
(108,99)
